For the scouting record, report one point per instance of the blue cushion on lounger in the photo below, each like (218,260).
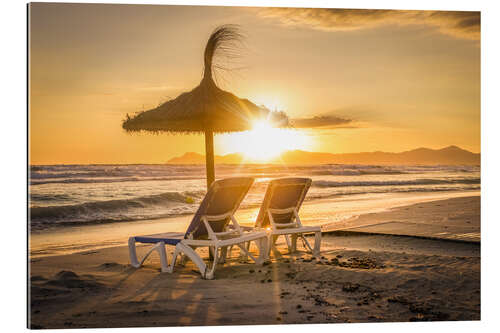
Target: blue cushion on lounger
(171,238)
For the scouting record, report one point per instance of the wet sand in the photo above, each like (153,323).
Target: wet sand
(360,277)
(452,219)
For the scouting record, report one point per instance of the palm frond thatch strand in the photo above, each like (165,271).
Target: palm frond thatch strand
(207,107)
(222,49)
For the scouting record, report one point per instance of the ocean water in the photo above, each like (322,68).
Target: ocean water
(71,195)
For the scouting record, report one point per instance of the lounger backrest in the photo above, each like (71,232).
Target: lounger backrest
(282,193)
(224,196)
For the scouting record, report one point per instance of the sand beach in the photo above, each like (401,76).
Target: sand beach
(364,274)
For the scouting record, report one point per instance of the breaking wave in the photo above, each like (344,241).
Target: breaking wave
(152,206)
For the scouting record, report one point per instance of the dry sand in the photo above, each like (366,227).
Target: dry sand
(359,278)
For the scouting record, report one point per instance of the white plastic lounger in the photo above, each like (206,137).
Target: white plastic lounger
(213,226)
(279,212)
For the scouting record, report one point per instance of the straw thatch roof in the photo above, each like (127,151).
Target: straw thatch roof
(206,107)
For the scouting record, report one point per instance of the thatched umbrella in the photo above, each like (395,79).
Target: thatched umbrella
(207,108)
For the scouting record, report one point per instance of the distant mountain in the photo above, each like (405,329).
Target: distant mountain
(451,155)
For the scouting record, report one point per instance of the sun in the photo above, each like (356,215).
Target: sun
(264,142)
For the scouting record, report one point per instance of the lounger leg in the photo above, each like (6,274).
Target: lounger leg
(263,255)
(306,243)
(317,243)
(244,251)
(211,251)
(247,247)
(209,275)
(272,246)
(183,260)
(160,248)
(193,256)
(177,252)
(262,248)
(288,244)
(294,242)
(223,254)
(133,253)
(265,249)
(269,245)
(230,251)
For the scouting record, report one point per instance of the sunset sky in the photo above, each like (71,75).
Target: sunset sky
(350,80)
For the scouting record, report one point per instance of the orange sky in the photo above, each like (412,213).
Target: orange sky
(389,81)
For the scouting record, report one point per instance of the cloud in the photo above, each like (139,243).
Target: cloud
(328,121)
(466,25)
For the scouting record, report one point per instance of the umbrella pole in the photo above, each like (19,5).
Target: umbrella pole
(209,157)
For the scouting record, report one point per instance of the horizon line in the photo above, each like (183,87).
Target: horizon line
(254,162)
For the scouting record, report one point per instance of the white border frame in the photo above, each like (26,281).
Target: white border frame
(14,194)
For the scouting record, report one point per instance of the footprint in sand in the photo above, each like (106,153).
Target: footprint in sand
(112,266)
(69,279)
